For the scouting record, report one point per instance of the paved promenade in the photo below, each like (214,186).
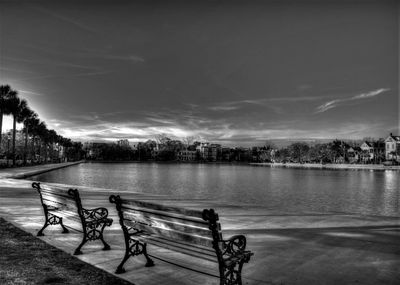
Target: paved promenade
(290,248)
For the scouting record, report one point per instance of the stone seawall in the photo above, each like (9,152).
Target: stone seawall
(27,171)
(378,167)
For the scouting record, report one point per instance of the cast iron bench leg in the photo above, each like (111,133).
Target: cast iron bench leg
(65,230)
(120,268)
(78,249)
(149,261)
(101,237)
(40,233)
(52,220)
(135,249)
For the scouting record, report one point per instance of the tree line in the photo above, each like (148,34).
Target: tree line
(166,149)
(44,143)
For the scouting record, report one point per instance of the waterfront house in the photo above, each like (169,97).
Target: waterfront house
(123,143)
(392,147)
(379,151)
(210,152)
(187,155)
(372,152)
(367,152)
(354,154)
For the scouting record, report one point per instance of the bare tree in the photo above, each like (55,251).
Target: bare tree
(187,141)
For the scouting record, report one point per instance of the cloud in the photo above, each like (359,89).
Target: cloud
(66,19)
(371,93)
(223,108)
(84,74)
(30,92)
(334,103)
(50,62)
(304,87)
(16,70)
(131,58)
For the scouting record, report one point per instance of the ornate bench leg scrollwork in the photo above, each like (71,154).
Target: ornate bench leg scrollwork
(231,253)
(93,222)
(94,231)
(132,246)
(135,248)
(52,220)
(235,247)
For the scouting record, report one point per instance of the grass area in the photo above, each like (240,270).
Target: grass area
(25,259)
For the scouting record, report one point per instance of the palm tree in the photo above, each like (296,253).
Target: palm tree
(43,136)
(52,139)
(14,107)
(4,93)
(25,116)
(60,145)
(33,129)
(67,144)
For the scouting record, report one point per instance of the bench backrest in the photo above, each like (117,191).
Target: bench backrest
(187,227)
(65,200)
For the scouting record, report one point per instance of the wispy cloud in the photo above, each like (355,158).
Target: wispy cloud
(74,22)
(266,102)
(30,92)
(16,70)
(131,58)
(334,103)
(223,108)
(49,62)
(84,74)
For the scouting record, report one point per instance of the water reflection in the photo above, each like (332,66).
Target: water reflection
(292,190)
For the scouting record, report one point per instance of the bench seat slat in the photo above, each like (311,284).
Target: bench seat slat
(60,205)
(184,245)
(192,251)
(58,202)
(69,215)
(179,243)
(163,208)
(173,235)
(57,194)
(58,198)
(54,189)
(170,216)
(176,225)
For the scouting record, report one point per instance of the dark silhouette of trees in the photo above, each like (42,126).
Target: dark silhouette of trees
(45,140)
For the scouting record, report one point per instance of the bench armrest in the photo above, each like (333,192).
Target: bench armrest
(234,245)
(95,214)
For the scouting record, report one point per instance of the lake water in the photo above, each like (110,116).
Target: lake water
(291,190)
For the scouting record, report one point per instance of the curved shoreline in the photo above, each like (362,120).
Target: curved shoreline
(377,167)
(27,171)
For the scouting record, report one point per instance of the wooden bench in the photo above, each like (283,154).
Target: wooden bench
(62,202)
(192,232)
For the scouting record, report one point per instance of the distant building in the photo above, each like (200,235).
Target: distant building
(123,143)
(367,153)
(226,154)
(392,147)
(372,151)
(202,148)
(354,154)
(93,149)
(187,155)
(209,152)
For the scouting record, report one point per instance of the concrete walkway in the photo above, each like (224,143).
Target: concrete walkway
(290,248)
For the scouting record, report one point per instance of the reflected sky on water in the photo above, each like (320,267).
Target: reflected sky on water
(298,190)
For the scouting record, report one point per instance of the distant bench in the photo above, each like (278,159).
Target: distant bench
(61,202)
(192,232)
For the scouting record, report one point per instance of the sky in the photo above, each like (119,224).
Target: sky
(229,72)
